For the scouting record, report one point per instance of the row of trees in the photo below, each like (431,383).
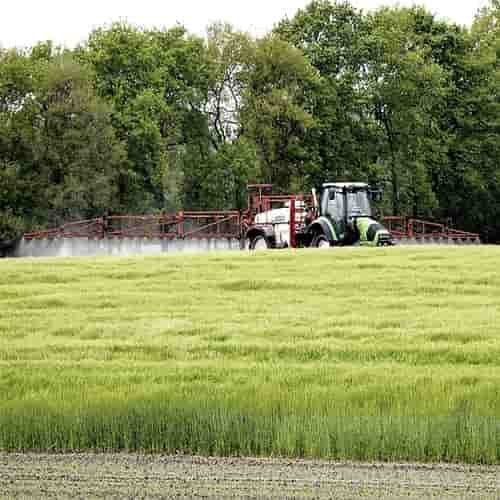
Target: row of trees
(142,120)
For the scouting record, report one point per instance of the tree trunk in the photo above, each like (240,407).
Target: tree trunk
(394,171)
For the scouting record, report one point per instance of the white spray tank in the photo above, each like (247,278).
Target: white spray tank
(279,220)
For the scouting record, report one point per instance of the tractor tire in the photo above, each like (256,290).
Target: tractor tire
(259,243)
(320,241)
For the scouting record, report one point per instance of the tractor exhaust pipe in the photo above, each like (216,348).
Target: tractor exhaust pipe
(315,199)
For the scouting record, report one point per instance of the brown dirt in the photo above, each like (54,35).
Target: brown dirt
(145,476)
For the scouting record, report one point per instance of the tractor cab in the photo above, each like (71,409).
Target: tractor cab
(345,201)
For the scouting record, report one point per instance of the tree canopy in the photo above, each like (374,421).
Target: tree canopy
(147,120)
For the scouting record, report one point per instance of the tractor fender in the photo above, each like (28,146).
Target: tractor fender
(323,225)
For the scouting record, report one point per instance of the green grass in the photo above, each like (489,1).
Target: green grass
(388,354)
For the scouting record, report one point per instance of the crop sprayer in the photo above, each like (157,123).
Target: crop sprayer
(338,214)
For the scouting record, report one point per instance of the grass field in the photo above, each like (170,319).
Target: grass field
(389,354)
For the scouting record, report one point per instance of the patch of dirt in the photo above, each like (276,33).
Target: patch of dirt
(153,476)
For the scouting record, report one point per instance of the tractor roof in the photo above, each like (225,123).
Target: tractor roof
(343,185)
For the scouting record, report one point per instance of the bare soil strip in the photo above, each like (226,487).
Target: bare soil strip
(152,476)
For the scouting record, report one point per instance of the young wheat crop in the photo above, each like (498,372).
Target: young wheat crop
(389,354)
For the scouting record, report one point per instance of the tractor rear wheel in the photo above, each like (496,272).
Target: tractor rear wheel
(321,241)
(259,243)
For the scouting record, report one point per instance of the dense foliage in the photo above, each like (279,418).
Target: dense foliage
(138,120)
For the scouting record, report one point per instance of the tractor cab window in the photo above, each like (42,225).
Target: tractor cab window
(334,204)
(358,204)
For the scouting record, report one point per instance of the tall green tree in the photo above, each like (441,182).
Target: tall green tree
(258,119)
(470,192)
(343,144)
(59,156)
(217,161)
(276,114)
(378,108)
(407,89)
(16,83)
(229,54)
(156,81)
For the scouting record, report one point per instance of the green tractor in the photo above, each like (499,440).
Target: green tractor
(345,217)
(341,216)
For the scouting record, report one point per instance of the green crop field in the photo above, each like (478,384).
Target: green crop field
(390,354)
